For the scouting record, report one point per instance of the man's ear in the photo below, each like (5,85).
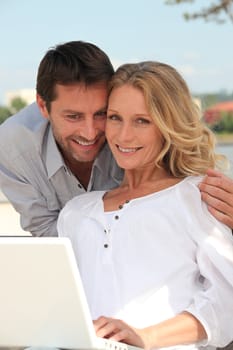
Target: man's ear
(42,106)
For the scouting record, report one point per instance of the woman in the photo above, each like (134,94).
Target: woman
(157,268)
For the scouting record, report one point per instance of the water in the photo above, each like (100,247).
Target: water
(227,150)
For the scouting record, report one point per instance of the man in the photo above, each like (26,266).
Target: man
(56,149)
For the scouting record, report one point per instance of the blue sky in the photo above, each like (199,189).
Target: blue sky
(127,30)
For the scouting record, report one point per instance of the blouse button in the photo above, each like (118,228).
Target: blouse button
(80,186)
(105,245)
(116,217)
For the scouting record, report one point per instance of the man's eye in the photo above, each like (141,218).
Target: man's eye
(101,115)
(72,116)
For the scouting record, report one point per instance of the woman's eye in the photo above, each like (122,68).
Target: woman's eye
(113,117)
(143,121)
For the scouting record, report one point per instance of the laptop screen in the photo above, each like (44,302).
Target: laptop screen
(42,301)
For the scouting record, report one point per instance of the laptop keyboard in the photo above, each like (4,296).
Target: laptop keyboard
(113,345)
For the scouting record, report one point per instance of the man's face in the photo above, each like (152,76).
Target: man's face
(77,118)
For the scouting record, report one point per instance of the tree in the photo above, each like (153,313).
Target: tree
(4,113)
(218,11)
(226,123)
(16,104)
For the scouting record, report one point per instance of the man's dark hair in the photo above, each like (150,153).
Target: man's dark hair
(71,63)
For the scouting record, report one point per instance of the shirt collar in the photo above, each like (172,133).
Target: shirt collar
(105,160)
(53,157)
(54,160)
(100,160)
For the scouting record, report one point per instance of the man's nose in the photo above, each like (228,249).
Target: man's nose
(89,130)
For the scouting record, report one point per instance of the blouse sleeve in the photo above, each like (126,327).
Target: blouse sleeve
(213,305)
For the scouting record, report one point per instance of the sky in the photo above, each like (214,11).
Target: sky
(127,30)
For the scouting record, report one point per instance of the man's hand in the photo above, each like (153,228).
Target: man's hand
(217,191)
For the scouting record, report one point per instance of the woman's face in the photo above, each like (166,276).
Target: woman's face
(132,135)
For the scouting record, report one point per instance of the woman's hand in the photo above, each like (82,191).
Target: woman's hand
(178,330)
(118,330)
(217,191)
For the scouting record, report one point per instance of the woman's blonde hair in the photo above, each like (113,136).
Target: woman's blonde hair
(189,144)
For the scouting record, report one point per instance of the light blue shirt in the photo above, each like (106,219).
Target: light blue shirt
(34,177)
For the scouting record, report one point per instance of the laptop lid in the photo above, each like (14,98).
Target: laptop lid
(42,301)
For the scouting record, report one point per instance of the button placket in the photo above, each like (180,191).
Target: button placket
(107,249)
(107,234)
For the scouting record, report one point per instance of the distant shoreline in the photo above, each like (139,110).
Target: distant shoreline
(224,139)
(224,143)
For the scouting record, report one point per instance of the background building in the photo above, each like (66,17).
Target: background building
(27,95)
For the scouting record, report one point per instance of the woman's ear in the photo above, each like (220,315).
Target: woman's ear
(42,106)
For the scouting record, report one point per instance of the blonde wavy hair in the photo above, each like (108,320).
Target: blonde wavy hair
(188,143)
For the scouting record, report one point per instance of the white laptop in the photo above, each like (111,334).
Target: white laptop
(42,301)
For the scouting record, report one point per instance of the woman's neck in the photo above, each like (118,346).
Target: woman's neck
(138,183)
(135,179)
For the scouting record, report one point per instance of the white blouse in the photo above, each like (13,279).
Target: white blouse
(159,255)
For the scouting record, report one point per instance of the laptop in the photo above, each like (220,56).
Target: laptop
(42,300)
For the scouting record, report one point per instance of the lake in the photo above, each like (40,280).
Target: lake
(227,150)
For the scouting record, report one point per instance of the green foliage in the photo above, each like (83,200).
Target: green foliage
(208,100)
(16,105)
(226,122)
(4,113)
(223,124)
